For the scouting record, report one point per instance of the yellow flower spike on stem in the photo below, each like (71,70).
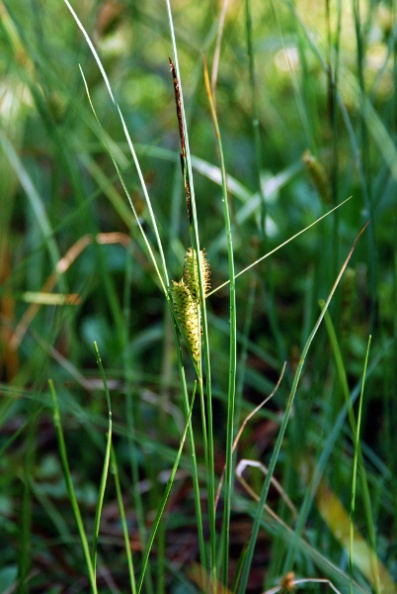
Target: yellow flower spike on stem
(190,272)
(186,299)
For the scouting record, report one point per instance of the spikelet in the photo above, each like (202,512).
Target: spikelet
(186,299)
(191,275)
(318,175)
(187,312)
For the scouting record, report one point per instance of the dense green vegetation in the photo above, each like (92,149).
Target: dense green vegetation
(121,391)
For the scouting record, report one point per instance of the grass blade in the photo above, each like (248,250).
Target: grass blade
(127,136)
(280,437)
(206,407)
(70,489)
(232,346)
(105,470)
(127,545)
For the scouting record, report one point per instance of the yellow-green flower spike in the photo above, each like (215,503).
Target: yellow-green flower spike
(187,312)
(191,275)
(186,299)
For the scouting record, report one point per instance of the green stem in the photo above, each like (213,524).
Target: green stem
(357,450)
(70,489)
(123,519)
(195,242)
(366,496)
(105,471)
(232,348)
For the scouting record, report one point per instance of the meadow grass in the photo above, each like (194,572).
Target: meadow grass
(161,435)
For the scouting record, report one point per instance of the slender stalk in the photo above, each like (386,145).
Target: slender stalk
(207,419)
(164,284)
(366,496)
(281,245)
(105,470)
(357,450)
(70,489)
(127,545)
(192,450)
(232,344)
(133,154)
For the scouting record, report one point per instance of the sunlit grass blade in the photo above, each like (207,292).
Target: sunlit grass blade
(41,298)
(124,186)
(284,243)
(128,138)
